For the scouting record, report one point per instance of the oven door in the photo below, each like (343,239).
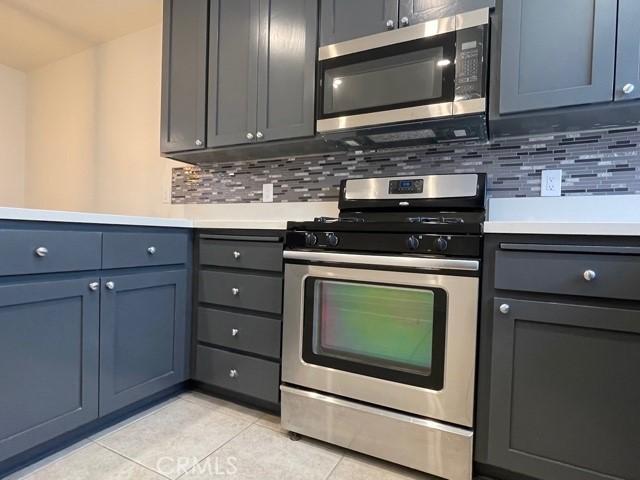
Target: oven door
(399,339)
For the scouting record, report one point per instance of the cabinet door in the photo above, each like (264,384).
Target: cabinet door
(556,54)
(418,11)
(142,336)
(342,20)
(564,391)
(233,72)
(184,75)
(48,361)
(628,57)
(286,74)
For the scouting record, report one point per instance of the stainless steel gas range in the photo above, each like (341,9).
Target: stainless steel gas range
(380,318)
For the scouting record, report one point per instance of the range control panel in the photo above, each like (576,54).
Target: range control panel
(406,185)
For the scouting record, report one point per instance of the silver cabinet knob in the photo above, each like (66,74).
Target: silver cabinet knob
(505,308)
(628,88)
(404,21)
(198,142)
(235,291)
(41,251)
(93,286)
(236,255)
(390,24)
(249,136)
(259,135)
(151,250)
(589,275)
(233,373)
(110,285)
(234,332)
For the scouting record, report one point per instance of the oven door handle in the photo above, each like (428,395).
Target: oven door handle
(420,263)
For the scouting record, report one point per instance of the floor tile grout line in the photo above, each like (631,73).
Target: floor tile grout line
(334,467)
(238,416)
(131,460)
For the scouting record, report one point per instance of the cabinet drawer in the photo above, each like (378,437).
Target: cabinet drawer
(241,290)
(249,333)
(239,373)
(236,254)
(42,251)
(121,250)
(616,276)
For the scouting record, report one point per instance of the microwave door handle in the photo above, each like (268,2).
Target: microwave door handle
(419,263)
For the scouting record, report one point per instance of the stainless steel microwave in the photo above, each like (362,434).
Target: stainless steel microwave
(420,82)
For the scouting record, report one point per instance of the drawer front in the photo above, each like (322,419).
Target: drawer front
(237,254)
(246,375)
(248,333)
(121,250)
(41,251)
(616,276)
(241,290)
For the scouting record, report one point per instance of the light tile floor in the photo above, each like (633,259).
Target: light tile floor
(198,437)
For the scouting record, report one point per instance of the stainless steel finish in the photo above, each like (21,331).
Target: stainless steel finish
(434,186)
(425,445)
(93,286)
(472,18)
(505,308)
(420,112)
(235,291)
(234,332)
(589,275)
(249,136)
(419,263)
(199,143)
(414,32)
(259,135)
(233,373)
(41,251)
(151,250)
(628,88)
(236,255)
(404,21)
(454,403)
(467,107)
(390,24)
(110,285)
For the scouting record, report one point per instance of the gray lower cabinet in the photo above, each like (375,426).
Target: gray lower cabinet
(48,360)
(142,336)
(418,11)
(556,54)
(342,20)
(564,390)
(184,76)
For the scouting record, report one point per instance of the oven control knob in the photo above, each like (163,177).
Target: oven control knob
(310,239)
(332,240)
(413,243)
(441,244)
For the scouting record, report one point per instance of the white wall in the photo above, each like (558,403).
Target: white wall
(94,130)
(13,108)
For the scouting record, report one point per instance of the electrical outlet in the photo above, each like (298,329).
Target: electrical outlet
(267,192)
(551,185)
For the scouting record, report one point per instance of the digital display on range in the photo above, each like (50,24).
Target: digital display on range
(404,186)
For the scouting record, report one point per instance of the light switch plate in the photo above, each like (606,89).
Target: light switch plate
(551,185)
(267,192)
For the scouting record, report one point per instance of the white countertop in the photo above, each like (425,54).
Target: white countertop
(617,215)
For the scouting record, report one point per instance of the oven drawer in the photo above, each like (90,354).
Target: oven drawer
(239,331)
(239,254)
(242,290)
(239,373)
(616,276)
(121,250)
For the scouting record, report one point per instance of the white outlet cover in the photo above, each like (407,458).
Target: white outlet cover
(551,184)
(267,192)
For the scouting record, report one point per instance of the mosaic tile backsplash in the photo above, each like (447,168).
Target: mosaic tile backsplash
(593,163)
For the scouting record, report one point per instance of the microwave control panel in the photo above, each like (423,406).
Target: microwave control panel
(471,63)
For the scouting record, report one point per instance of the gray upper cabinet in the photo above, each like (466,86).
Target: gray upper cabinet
(48,360)
(556,54)
(184,78)
(142,336)
(628,56)
(286,73)
(417,11)
(342,20)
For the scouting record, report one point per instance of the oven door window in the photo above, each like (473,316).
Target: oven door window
(419,72)
(395,333)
